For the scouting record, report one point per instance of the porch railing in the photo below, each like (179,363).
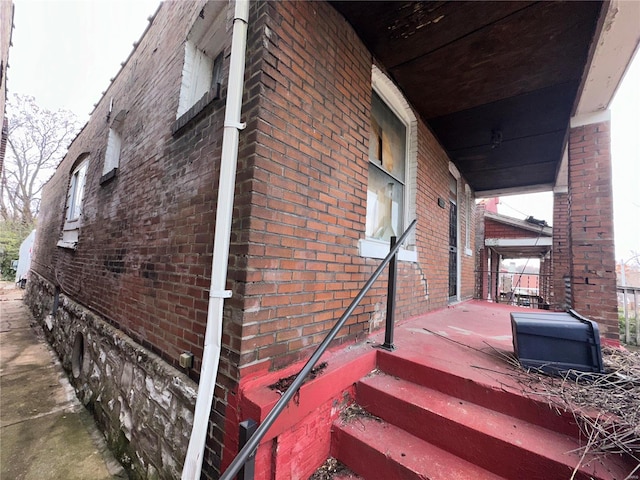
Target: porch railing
(526,289)
(252,443)
(628,304)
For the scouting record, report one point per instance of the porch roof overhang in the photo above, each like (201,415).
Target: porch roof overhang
(520,247)
(497,82)
(540,229)
(535,238)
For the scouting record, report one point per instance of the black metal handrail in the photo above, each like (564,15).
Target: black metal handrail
(252,443)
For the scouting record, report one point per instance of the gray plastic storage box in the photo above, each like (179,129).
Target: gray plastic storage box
(556,342)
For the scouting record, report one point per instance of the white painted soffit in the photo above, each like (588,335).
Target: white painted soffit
(616,45)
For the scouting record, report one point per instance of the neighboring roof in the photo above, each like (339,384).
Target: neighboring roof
(533,237)
(545,231)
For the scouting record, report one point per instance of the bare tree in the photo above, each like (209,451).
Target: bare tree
(37,140)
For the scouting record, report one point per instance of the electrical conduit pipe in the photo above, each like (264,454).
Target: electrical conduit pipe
(217,292)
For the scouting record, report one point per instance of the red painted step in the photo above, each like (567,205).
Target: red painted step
(474,390)
(508,446)
(380,451)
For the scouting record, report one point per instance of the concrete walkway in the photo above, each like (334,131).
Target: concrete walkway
(45,433)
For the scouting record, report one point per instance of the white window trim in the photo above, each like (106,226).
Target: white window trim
(203,44)
(112,154)
(468,219)
(370,248)
(456,174)
(70,231)
(393,98)
(197,73)
(114,142)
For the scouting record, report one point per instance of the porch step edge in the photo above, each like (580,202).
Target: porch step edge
(376,449)
(508,446)
(517,405)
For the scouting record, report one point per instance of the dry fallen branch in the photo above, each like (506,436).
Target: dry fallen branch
(606,407)
(329,469)
(355,411)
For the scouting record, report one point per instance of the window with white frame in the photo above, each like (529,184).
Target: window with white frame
(392,170)
(112,155)
(76,191)
(75,197)
(202,68)
(385,190)
(114,146)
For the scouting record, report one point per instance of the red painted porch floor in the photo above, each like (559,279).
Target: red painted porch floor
(450,374)
(462,339)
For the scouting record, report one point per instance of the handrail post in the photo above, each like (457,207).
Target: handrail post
(391,300)
(247,429)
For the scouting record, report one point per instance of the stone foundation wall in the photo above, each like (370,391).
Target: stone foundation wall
(143,406)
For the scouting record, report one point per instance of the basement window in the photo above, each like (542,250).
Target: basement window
(75,197)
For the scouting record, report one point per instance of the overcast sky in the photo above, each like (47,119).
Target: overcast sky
(66,51)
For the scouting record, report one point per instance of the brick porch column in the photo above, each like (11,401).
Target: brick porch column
(544,282)
(483,273)
(593,278)
(482,254)
(561,252)
(495,272)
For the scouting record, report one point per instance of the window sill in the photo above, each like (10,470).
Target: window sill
(376,249)
(187,117)
(68,245)
(69,237)
(110,175)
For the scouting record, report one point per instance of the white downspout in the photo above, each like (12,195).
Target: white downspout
(217,292)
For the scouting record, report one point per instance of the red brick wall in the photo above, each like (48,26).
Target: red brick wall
(481,254)
(146,237)
(591,224)
(306,197)
(561,251)
(493,229)
(468,271)
(6,13)
(525,280)
(545,279)
(143,256)
(144,252)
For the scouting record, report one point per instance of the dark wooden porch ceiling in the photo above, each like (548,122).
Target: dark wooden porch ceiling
(496,81)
